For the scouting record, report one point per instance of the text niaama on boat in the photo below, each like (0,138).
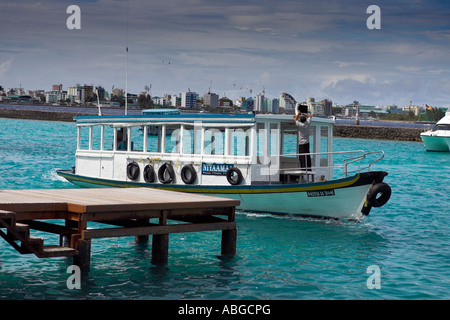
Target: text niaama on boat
(252,158)
(438,139)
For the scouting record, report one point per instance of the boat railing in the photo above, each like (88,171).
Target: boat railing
(345,163)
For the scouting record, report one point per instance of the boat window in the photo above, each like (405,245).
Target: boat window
(214,141)
(289,139)
(172,139)
(83,138)
(152,138)
(274,140)
(121,139)
(443,127)
(240,142)
(96,138)
(260,138)
(324,131)
(191,140)
(325,159)
(312,138)
(108,139)
(137,139)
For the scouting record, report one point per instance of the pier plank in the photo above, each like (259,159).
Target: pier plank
(122,199)
(157,230)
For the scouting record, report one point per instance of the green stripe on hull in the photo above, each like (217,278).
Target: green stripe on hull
(358,179)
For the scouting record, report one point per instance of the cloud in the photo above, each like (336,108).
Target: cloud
(378,92)
(5,67)
(321,48)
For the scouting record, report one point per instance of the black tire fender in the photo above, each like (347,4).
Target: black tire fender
(234,180)
(188,174)
(133,170)
(379,194)
(162,173)
(149,174)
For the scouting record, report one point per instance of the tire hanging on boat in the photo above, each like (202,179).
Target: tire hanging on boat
(188,174)
(166,167)
(379,194)
(149,174)
(234,176)
(133,170)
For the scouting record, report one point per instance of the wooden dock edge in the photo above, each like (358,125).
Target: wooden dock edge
(75,236)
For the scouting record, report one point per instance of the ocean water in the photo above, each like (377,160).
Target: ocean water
(278,257)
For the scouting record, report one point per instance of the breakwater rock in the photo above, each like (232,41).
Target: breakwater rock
(382,133)
(340,130)
(40,115)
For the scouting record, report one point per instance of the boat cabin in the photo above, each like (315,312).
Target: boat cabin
(263,149)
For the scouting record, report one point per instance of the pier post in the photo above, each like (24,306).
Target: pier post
(160,243)
(229,242)
(141,239)
(229,237)
(160,249)
(83,259)
(70,224)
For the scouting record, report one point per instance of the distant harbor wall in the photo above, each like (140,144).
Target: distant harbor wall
(381,133)
(348,131)
(41,115)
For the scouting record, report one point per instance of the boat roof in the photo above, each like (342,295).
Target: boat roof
(445,119)
(191,118)
(161,111)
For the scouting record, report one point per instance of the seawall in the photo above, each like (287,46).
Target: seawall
(41,115)
(349,131)
(381,133)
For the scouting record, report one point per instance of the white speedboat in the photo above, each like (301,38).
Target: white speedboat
(438,139)
(252,158)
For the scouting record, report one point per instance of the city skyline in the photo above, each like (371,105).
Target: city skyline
(309,49)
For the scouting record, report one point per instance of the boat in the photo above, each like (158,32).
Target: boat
(438,139)
(249,157)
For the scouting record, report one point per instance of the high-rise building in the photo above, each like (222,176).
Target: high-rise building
(211,100)
(189,99)
(272,105)
(89,92)
(287,102)
(57,87)
(322,108)
(100,91)
(259,103)
(53,96)
(328,107)
(248,105)
(77,93)
(117,92)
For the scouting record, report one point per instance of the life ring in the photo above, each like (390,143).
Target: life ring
(149,174)
(234,176)
(166,167)
(188,174)
(379,194)
(133,170)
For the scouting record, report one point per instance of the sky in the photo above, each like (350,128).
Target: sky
(321,49)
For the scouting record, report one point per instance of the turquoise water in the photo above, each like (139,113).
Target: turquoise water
(277,257)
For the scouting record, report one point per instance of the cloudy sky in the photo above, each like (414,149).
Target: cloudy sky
(320,49)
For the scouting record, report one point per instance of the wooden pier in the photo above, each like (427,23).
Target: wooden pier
(123,211)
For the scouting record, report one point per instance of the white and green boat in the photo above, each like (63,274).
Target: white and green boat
(248,157)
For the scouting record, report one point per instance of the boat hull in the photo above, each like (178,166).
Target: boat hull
(436,143)
(338,199)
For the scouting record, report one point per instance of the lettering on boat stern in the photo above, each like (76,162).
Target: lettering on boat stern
(320,193)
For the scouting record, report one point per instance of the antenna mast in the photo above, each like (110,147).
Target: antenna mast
(126,72)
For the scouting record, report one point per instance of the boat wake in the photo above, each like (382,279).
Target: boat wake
(288,217)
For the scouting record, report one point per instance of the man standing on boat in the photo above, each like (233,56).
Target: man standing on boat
(303,137)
